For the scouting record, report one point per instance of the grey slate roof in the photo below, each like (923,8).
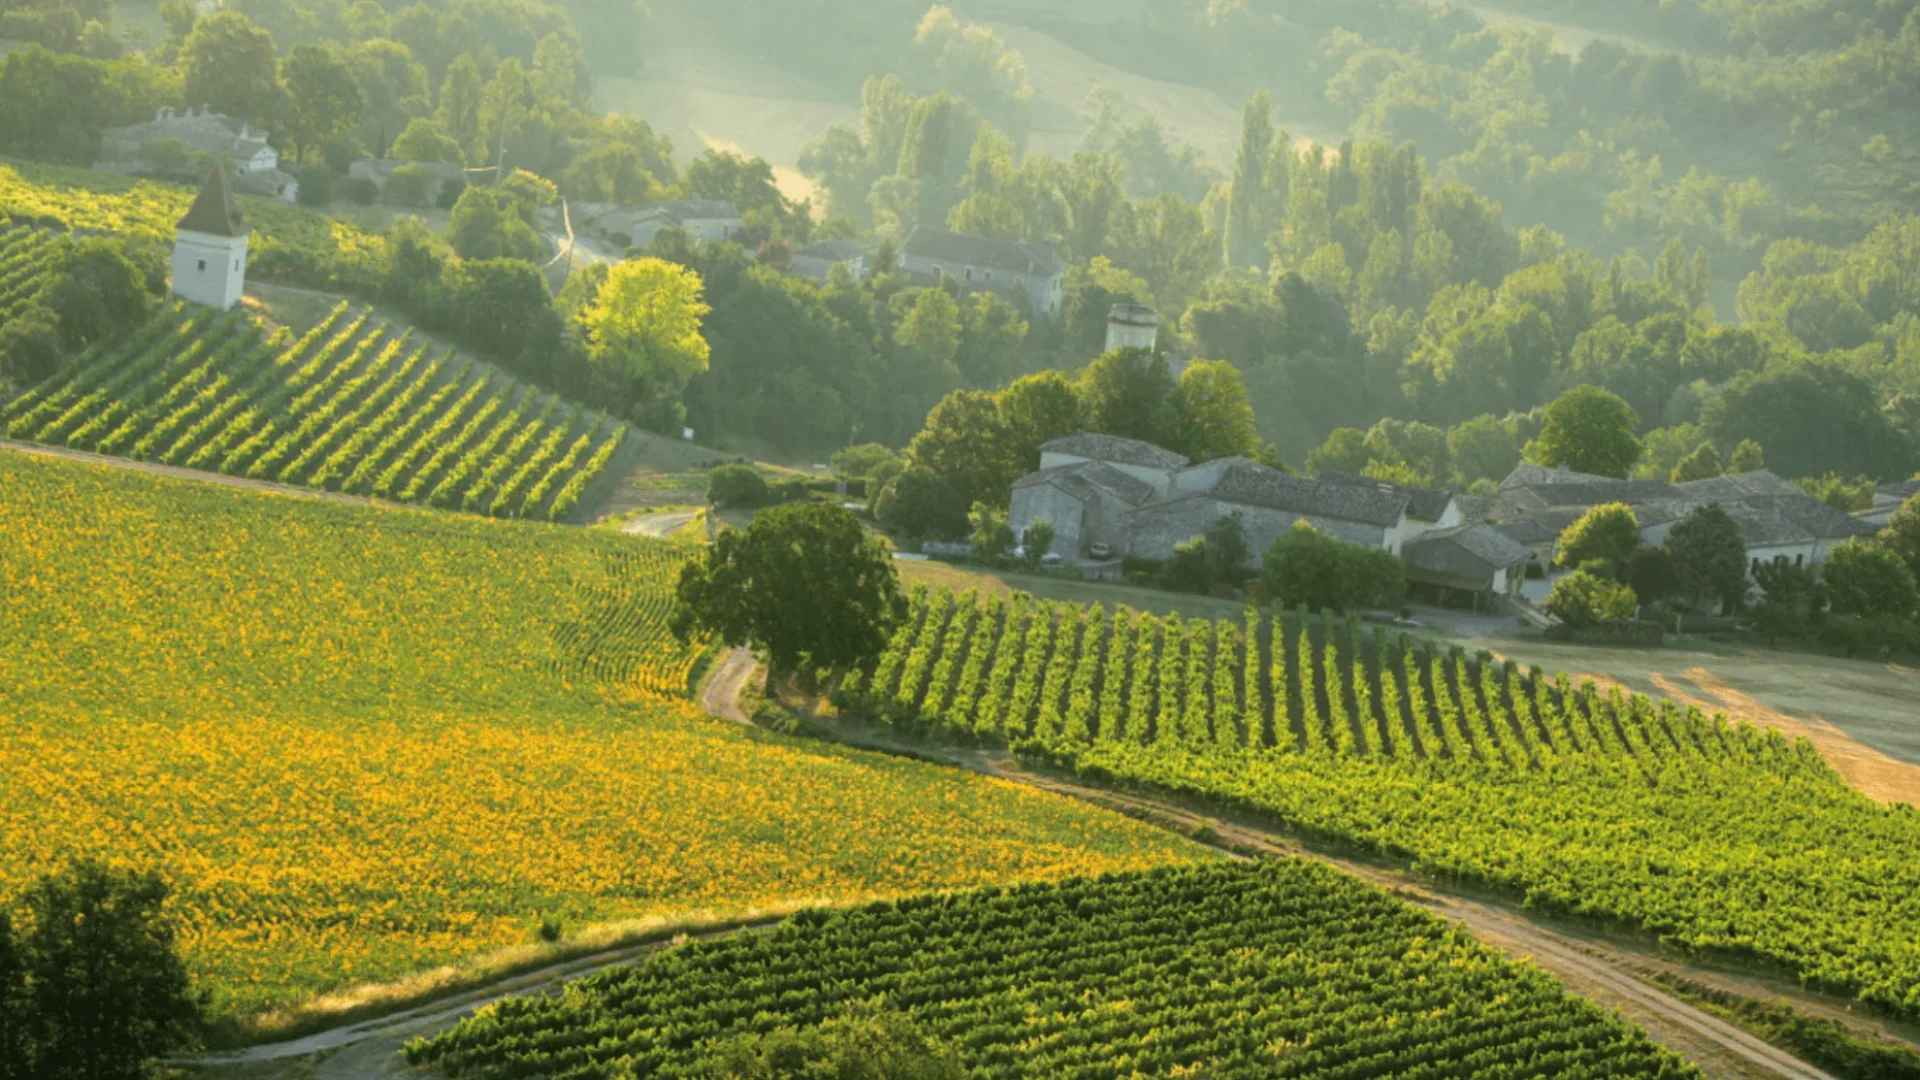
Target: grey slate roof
(1088,480)
(1424,504)
(1471,551)
(1115,449)
(983,251)
(213,211)
(1738,486)
(1242,481)
(1527,474)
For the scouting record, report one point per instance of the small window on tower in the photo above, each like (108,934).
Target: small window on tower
(203,264)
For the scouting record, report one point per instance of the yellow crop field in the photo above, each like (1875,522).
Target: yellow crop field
(362,741)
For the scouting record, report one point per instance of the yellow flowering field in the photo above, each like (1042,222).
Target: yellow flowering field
(363,741)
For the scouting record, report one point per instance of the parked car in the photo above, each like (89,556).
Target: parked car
(1101,551)
(1052,559)
(1019,552)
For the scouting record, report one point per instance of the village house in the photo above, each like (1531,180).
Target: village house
(817,260)
(1032,272)
(1777,520)
(636,226)
(1132,498)
(227,140)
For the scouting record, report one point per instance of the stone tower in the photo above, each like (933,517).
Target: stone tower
(1131,326)
(210,247)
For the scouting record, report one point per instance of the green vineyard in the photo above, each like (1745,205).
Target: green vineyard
(1710,836)
(23,263)
(1265,969)
(352,406)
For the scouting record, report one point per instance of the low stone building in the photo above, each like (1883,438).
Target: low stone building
(1777,520)
(1474,560)
(637,226)
(227,140)
(1032,272)
(1140,500)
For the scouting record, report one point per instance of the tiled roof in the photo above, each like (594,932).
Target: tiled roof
(1896,494)
(1088,481)
(213,211)
(1472,551)
(1250,484)
(1424,504)
(1738,486)
(1113,448)
(983,251)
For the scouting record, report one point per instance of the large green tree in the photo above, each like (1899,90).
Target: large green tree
(1867,580)
(1710,557)
(231,65)
(105,988)
(806,582)
(644,328)
(325,98)
(1902,534)
(1588,430)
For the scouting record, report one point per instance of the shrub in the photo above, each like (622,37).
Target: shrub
(363,190)
(736,487)
(1306,566)
(316,187)
(1038,538)
(450,191)
(1584,598)
(920,502)
(1191,570)
(409,185)
(991,535)
(1609,534)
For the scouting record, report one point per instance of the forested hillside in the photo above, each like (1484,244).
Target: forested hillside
(1710,223)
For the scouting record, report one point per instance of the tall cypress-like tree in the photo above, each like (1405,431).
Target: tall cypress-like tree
(1246,234)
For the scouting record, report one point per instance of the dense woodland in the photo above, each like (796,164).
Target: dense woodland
(1716,231)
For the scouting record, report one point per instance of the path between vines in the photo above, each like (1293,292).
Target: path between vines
(176,473)
(1603,969)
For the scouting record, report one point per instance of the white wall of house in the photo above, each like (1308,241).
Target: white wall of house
(209,270)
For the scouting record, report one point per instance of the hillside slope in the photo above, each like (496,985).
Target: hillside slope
(362,741)
(352,405)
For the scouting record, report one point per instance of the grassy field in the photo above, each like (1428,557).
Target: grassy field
(362,741)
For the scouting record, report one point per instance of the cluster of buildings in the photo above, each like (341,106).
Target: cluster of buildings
(1130,498)
(209,138)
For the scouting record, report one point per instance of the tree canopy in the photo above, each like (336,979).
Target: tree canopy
(806,582)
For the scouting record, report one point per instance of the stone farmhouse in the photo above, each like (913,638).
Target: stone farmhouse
(982,264)
(1777,519)
(230,141)
(1140,500)
(636,226)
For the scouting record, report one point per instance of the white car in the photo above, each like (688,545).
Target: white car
(1101,551)
(1052,559)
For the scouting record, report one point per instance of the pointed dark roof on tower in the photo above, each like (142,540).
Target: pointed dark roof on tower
(213,211)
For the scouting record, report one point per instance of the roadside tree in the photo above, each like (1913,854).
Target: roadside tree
(805,582)
(1584,598)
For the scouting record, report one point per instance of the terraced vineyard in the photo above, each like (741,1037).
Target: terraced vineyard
(23,256)
(352,406)
(1268,969)
(1711,836)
